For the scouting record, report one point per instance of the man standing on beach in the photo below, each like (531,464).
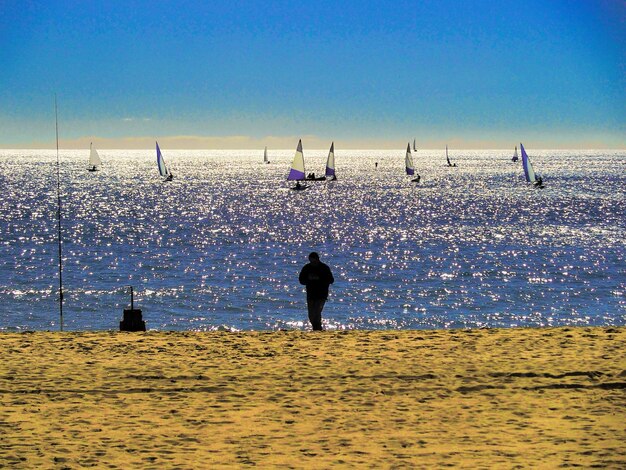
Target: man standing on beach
(316,276)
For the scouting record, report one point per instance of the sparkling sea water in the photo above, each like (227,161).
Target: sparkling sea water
(222,245)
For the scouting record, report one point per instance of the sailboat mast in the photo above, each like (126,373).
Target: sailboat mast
(56,121)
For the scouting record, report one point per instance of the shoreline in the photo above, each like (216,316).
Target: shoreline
(481,398)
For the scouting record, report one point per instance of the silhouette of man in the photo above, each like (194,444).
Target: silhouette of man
(316,276)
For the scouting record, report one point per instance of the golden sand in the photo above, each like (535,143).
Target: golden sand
(514,398)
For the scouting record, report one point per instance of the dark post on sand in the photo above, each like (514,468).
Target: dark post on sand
(132,320)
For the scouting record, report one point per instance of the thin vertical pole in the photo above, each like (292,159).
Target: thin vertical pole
(56,119)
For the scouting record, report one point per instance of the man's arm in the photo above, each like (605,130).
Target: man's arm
(303,277)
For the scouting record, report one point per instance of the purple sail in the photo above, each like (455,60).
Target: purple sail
(295,175)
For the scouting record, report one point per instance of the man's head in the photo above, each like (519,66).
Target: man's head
(314,258)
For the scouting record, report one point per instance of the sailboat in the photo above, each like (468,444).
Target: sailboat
(94,159)
(265,159)
(408,163)
(529,171)
(330,163)
(297,168)
(414,147)
(163,170)
(448,158)
(515,157)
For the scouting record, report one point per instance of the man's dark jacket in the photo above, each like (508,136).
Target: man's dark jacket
(316,279)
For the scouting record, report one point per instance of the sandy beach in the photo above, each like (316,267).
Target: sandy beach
(514,398)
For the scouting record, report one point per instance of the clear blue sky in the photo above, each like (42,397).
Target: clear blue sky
(475,70)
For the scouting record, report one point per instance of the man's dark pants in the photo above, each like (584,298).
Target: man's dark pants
(315,307)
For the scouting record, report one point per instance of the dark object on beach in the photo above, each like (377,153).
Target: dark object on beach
(132,320)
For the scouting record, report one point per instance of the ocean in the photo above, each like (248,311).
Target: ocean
(221,246)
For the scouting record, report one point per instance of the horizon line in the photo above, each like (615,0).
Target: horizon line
(241,142)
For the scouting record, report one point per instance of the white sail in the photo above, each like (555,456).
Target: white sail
(297,166)
(330,162)
(529,171)
(163,170)
(408,161)
(94,158)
